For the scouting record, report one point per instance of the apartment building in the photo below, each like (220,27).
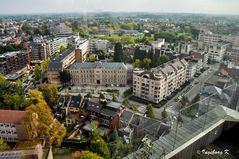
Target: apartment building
(216,51)
(157,44)
(232,55)
(61,28)
(12,125)
(98,73)
(209,37)
(11,62)
(58,64)
(185,48)
(44,47)
(99,45)
(158,83)
(82,49)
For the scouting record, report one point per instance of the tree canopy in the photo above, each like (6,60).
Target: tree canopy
(118,54)
(85,155)
(40,122)
(65,77)
(3,145)
(50,93)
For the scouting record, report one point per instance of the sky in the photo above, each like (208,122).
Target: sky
(168,6)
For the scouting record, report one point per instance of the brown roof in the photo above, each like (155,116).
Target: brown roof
(12,116)
(197,55)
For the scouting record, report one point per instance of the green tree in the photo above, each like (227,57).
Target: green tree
(126,103)
(118,54)
(137,63)
(27,28)
(147,63)
(35,97)
(85,155)
(102,96)
(62,49)
(65,77)
(3,145)
(89,95)
(37,72)
(44,66)
(163,59)
(115,144)
(50,94)
(92,58)
(164,113)
(149,111)
(114,98)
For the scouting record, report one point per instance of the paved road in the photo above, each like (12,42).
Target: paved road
(190,91)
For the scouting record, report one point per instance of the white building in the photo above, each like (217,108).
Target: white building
(99,45)
(158,83)
(157,44)
(216,51)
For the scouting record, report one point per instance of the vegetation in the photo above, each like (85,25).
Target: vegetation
(118,54)
(50,94)
(149,111)
(126,103)
(3,145)
(37,72)
(164,113)
(89,95)
(12,95)
(62,49)
(9,48)
(40,122)
(65,77)
(85,155)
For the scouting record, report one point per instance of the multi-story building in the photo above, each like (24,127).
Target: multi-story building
(157,44)
(232,55)
(185,48)
(82,50)
(158,83)
(216,51)
(44,47)
(12,125)
(58,64)
(99,45)
(62,28)
(209,37)
(11,62)
(98,73)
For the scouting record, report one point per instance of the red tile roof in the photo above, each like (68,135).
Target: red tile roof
(197,55)
(12,116)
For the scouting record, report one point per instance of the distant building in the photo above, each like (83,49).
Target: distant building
(216,51)
(99,45)
(62,28)
(157,44)
(12,125)
(185,48)
(98,73)
(10,62)
(58,64)
(42,48)
(158,83)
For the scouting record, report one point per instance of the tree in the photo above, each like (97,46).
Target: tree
(12,95)
(65,77)
(85,155)
(37,72)
(126,103)
(3,145)
(147,63)
(44,66)
(89,95)
(149,111)
(35,97)
(137,63)
(184,101)
(118,54)
(40,124)
(62,49)
(164,113)
(50,93)
(114,98)
(163,59)
(115,144)
(102,96)
(92,58)
(96,142)
(27,28)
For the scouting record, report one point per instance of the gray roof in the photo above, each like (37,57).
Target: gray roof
(63,55)
(114,105)
(55,66)
(107,112)
(103,65)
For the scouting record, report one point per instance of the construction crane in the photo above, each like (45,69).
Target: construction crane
(26,46)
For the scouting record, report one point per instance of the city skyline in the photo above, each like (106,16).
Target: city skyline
(84,6)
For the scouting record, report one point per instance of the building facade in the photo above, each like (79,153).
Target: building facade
(11,62)
(98,73)
(216,51)
(158,83)
(58,64)
(12,125)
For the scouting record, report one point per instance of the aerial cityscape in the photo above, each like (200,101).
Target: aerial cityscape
(107,79)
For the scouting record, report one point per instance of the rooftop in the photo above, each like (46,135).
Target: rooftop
(12,116)
(103,65)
